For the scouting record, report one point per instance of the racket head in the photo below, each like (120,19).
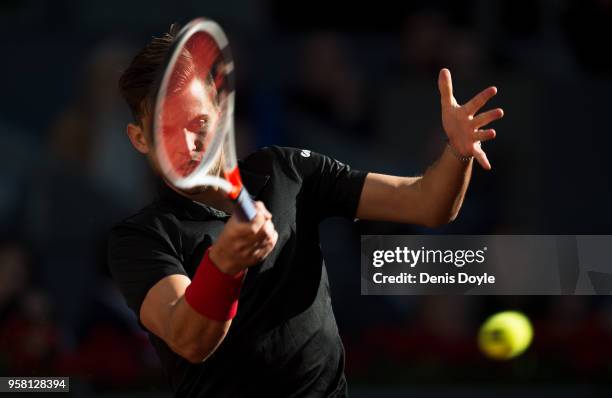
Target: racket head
(192,123)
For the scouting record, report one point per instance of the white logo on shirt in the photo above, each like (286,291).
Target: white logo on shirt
(305,153)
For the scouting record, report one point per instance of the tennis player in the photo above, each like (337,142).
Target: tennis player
(182,261)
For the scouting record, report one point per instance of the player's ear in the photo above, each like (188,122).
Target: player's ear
(138,138)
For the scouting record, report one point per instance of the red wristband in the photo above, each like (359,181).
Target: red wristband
(213,293)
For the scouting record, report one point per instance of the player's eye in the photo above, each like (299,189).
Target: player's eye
(198,124)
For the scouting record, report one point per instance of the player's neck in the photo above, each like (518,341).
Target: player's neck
(210,197)
(214,198)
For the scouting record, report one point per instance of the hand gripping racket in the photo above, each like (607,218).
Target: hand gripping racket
(193,120)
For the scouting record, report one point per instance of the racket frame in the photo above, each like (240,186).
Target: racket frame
(222,142)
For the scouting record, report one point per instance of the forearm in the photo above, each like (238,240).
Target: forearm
(443,187)
(202,315)
(191,334)
(193,316)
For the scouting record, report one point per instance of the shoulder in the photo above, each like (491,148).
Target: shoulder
(270,155)
(288,159)
(152,224)
(142,251)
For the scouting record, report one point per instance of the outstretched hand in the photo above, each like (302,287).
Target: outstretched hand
(462,125)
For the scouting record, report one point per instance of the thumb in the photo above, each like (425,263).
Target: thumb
(445,85)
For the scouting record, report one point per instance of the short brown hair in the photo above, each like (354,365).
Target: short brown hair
(136,82)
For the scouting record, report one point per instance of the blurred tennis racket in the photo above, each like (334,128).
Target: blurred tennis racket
(193,123)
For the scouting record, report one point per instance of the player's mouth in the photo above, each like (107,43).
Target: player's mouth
(196,156)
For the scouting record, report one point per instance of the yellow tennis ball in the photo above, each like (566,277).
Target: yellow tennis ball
(505,335)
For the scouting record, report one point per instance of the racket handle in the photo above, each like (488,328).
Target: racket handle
(245,208)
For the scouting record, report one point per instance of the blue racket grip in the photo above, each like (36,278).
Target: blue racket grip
(245,208)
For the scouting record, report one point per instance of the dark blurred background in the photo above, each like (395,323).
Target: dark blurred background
(357,82)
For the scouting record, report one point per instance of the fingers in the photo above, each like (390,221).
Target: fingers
(262,243)
(255,224)
(258,230)
(261,207)
(262,248)
(487,117)
(445,85)
(243,244)
(481,157)
(265,232)
(473,105)
(484,135)
(265,239)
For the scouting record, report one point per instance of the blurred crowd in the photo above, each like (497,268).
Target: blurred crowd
(348,81)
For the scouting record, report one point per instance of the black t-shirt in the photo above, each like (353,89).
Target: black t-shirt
(284,340)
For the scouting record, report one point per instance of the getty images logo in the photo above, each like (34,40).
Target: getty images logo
(413,257)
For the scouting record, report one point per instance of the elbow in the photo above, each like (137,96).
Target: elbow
(439,219)
(195,356)
(434,223)
(193,353)
(196,347)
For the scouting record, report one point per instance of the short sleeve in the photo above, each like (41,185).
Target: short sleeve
(331,187)
(138,258)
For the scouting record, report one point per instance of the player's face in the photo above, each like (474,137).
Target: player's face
(188,126)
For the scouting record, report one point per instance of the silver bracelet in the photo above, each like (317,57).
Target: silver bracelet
(456,154)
